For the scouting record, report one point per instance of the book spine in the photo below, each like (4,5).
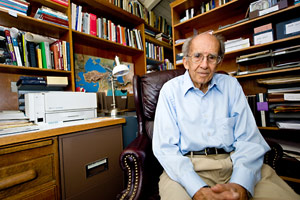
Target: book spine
(7,5)
(93,24)
(39,57)
(54,49)
(48,55)
(33,82)
(17,51)
(73,14)
(16,3)
(64,48)
(43,54)
(54,19)
(31,54)
(68,57)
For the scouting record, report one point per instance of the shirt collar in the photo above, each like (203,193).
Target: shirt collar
(189,85)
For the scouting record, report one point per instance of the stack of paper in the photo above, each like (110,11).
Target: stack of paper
(14,122)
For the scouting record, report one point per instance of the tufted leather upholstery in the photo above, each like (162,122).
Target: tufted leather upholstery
(141,168)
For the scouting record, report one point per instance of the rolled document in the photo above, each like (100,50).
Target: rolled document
(31,37)
(14,32)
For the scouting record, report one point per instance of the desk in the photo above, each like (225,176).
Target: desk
(29,162)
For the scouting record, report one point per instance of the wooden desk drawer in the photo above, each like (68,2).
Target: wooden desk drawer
(29,168)
(26,175)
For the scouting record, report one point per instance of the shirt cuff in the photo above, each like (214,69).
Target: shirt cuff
(238,177)
(192,182)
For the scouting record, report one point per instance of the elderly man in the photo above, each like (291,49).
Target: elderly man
(205,135)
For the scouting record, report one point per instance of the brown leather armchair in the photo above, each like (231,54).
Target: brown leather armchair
(142,170)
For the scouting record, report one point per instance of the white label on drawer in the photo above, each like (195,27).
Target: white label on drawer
(292,27)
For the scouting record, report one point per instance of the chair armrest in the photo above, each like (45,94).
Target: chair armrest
(274,155)
(132,162)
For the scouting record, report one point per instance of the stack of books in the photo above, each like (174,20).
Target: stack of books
(283,95)
(149,32)
(236,44)
(52,16)
(15,6)
(163,37)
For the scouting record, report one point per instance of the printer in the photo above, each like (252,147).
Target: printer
(54,107)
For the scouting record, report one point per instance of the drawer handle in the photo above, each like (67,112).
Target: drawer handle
(17,179)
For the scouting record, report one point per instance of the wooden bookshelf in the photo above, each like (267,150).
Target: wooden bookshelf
(79,42)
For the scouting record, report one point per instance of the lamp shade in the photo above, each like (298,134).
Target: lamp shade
(119,70)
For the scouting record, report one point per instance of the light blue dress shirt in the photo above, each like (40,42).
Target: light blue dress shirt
(186,120)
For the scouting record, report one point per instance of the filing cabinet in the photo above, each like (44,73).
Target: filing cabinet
(89,164)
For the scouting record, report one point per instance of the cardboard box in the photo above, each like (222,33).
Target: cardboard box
(263,37)
(280,5)
(288,28)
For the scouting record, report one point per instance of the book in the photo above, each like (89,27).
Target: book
(68,57)
(73,15)
(55,20)
(93,24)
(10,47)
(57,80)
(54,49)
(32,82)
(39,57)
(62,2)
(262,108)
(85,24)
(14,6)
(99,28)
(43,55)
(50,12)
(17,51)
(32,58)
(64,56)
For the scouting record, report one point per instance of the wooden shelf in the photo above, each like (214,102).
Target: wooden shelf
(250,24)
(157,42)
(187,24)
(30,24)
(110,11)
(152,61)
(269,72)
(30,70)
(268,128)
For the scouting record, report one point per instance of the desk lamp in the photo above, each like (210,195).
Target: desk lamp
(118,70)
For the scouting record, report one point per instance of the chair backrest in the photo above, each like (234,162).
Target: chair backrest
(146,91)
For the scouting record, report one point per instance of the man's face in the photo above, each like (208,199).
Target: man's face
(201,59)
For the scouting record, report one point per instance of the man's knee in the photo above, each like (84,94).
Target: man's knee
(171,190)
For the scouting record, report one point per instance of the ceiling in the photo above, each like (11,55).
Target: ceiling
(160,8)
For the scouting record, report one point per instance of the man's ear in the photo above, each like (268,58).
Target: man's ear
(185,62)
